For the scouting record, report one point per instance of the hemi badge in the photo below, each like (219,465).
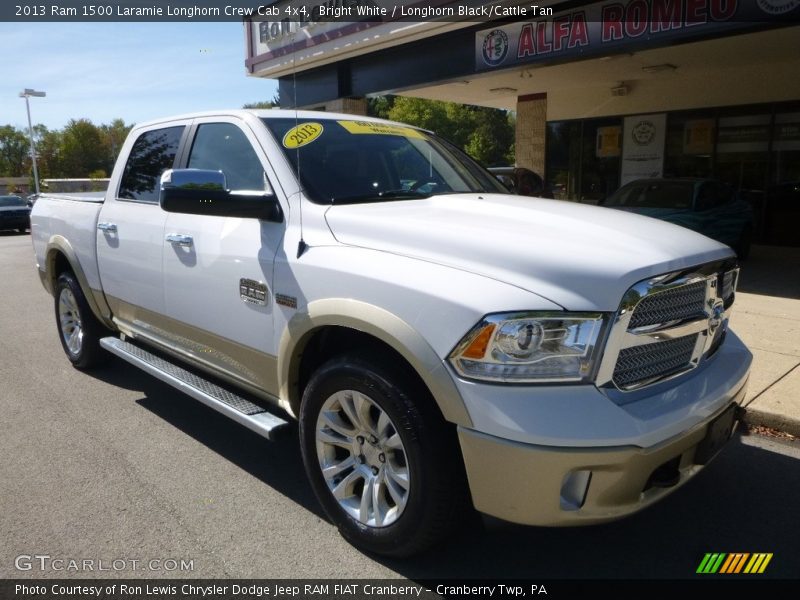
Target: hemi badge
(253,292)
(285,300)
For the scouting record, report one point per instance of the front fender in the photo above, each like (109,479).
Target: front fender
(381,324)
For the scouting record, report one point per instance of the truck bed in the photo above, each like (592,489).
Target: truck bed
(73,217)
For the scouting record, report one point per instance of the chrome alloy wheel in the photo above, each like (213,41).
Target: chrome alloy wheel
(362,458)
(69,319)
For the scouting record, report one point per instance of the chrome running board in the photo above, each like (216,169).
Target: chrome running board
(231,405)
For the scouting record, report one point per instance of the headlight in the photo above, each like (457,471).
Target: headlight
(530,347)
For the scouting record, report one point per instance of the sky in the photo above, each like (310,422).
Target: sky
(132,71)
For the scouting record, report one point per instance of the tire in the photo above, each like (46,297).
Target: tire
(745,240)
(22,229)
(78,328)
(396,447)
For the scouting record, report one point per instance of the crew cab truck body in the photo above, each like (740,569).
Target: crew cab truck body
(443,344)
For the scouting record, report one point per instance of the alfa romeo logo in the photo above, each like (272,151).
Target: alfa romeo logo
(643,133)
(495,47)
(778,7)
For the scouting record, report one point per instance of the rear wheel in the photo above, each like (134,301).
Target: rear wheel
(78,328)
(381,460)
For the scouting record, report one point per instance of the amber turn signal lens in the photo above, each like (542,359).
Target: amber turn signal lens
(477,348)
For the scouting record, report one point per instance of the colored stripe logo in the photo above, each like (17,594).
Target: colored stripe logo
(733,563)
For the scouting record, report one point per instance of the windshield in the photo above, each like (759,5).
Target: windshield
(343,161)
(12,201)
(654,194)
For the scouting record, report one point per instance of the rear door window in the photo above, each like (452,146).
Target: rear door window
(153,153)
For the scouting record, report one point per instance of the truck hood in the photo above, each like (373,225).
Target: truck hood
(580,257)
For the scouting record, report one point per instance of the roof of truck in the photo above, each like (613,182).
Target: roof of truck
(270,113)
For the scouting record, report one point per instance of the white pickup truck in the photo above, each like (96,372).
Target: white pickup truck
(442,343)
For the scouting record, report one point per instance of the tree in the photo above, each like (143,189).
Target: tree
(379,106)
(274,103)
(261,104)
(48,152)
(113,136)
(14,152)
(82,149)
(486,134)
(492,139)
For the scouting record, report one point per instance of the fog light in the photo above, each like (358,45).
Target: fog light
(574,488)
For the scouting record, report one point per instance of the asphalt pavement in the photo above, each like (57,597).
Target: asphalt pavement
(116,466)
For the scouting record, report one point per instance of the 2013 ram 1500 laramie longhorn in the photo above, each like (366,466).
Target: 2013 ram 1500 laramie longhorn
(442,343)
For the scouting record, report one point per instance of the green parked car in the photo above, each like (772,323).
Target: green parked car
(706,206)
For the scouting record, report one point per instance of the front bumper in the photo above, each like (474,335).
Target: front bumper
(541,485)
(569,455)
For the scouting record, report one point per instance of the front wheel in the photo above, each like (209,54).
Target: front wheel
(78,328)
(381,460)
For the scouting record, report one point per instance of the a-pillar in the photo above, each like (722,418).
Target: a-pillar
(531,129)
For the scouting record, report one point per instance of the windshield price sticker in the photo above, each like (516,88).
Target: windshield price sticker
(302,135)
(367,127)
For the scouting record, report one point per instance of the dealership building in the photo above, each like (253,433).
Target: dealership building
(604,92)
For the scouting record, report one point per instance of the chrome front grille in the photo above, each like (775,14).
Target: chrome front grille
(649,362)
(674,304)
(729,281)
(666,326)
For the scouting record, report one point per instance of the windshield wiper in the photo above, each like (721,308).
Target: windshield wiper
(384,195)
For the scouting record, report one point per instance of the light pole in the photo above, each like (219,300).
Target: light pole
(27,93)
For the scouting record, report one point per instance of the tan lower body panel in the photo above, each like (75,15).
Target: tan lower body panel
(522,483)
(238,364)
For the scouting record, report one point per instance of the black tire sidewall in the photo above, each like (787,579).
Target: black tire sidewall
(90,352)
(424,459)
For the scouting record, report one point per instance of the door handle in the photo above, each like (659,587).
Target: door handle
(180,239)
(107,227)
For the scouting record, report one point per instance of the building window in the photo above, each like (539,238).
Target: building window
(690,145)
(600,158)
(782,211)
(754,149)
(583,158)
(563,152)
(786,147)
(743,151)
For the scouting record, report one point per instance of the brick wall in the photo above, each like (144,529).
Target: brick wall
(530,134)
(350,106)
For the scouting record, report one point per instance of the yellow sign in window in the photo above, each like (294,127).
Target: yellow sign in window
(362,127)
(303,134)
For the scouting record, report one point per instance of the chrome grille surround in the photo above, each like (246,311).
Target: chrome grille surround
(682,314)
(674,304)
(649,361)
